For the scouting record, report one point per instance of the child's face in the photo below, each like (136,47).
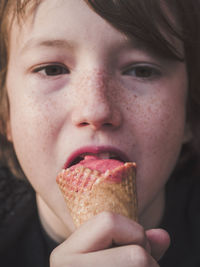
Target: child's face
(75,82)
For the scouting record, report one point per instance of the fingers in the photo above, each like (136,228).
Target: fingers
(111,240)
(126,256)
(104,231)
(159,242)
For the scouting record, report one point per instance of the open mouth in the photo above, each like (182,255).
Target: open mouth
(95,153)
(102,156)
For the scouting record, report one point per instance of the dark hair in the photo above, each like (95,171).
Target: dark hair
(150,21)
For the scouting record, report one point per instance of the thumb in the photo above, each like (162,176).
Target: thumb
(159,241)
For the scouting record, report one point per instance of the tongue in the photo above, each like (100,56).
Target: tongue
(96,163)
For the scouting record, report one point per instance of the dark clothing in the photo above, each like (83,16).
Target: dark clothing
(30,249)
(182,221)
(24,243)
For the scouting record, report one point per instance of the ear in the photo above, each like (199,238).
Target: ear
(8,131)
(187,134)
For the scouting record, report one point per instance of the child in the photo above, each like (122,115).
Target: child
(100,77)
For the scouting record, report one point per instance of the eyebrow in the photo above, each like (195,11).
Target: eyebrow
(63,43)
(35,43)
(134,43)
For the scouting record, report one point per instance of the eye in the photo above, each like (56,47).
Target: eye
(52,70)
(142,71)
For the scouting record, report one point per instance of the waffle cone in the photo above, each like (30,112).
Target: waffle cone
(88,192)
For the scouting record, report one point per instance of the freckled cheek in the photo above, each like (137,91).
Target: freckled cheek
(158,131)
(156,114)
(157,126)
(164,125)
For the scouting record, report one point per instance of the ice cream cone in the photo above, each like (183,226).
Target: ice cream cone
(88,192)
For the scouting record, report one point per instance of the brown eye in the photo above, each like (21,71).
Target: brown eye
(52,70)
(144,72)
(55,70)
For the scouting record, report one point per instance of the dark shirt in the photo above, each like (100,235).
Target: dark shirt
(31,249)
(23,242)
(182,220)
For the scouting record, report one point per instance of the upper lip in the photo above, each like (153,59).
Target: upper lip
(95,150)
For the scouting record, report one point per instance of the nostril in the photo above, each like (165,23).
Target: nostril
(84,123)
(96,125)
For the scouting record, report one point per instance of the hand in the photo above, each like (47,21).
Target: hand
(111,240)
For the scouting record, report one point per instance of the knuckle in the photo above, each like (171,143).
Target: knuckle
(56,259)
(138,256)
(108,220)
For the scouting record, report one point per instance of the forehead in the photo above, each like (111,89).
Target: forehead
(59,20)
(71,20)
(33,7)
(54,24)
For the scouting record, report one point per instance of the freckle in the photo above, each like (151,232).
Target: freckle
(98,82)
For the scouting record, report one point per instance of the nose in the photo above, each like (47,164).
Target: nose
(96,102)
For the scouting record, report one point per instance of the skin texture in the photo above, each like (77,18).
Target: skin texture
(100,97)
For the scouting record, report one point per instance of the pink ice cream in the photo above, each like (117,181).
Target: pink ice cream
(101,165)
(112,168)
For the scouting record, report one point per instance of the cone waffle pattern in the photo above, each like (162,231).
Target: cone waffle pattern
(88,192)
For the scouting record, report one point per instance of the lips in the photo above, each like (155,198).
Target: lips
(101,152)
